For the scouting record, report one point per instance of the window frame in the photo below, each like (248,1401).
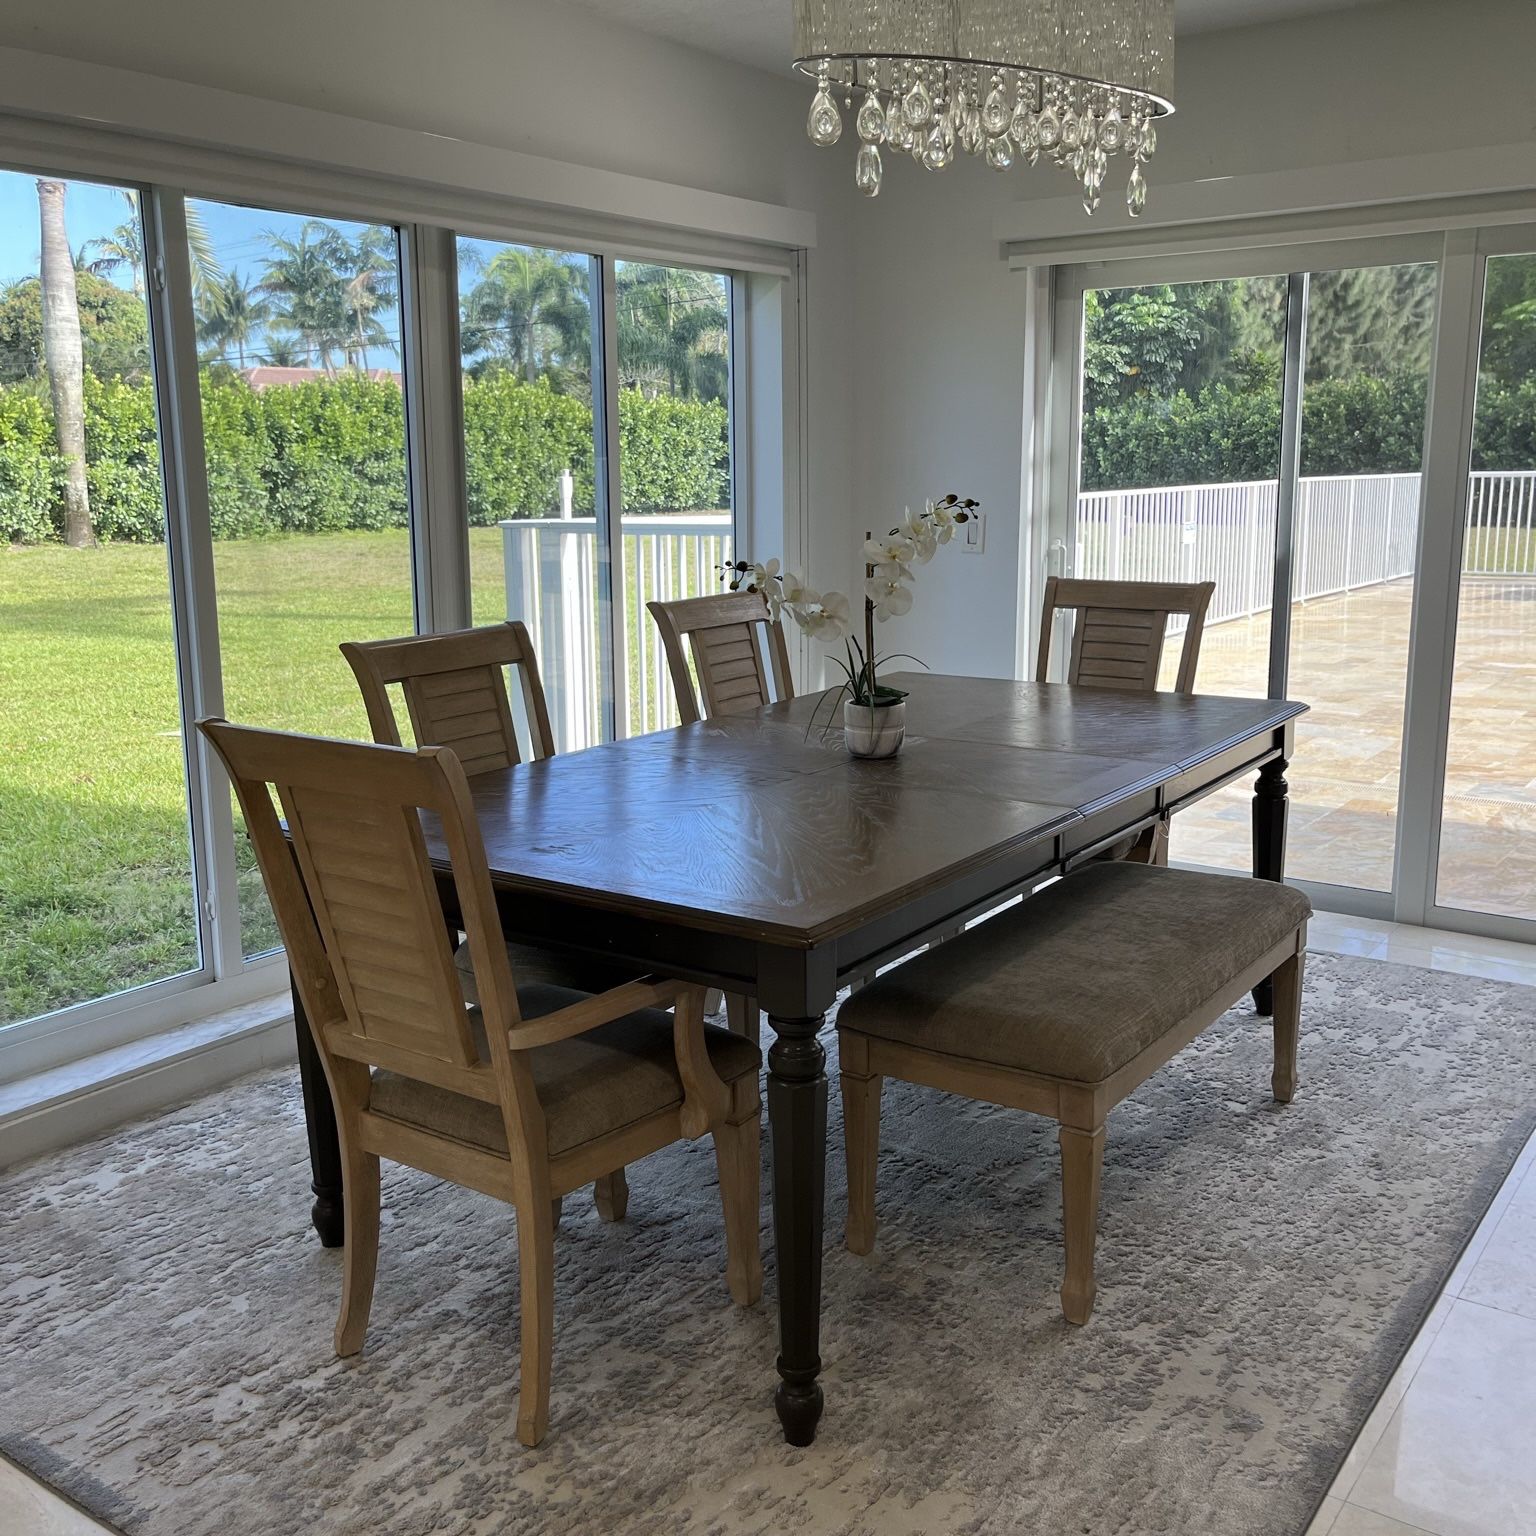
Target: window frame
(1460,251)
(427,221)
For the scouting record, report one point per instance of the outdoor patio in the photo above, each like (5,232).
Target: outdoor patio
(1350,655)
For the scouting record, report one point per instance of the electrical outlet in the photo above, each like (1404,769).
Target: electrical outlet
(971,535)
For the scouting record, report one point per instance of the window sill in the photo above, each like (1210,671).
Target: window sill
(72,1102)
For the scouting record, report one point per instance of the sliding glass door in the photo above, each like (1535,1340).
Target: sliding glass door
(1266,432)
(572,364)
(1487,853)
(302,386)
(97,888)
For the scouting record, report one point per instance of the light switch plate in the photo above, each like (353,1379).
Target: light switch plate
(971,536)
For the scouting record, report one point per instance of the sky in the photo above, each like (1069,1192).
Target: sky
(93,211)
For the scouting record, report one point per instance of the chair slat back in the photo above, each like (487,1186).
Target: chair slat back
(456,692)
(1119,630)
(722,632)
(356,901)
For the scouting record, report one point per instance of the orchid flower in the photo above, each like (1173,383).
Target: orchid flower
(890,598)
(920,533)
(897,548)
(825,618)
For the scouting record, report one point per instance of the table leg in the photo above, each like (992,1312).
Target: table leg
(797,1118)
(1271,803)
(324,1146)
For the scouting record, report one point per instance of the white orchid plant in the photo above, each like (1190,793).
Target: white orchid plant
(888,577)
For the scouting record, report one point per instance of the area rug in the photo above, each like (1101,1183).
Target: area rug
(165,1311)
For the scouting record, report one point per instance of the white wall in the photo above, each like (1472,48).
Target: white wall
(939,327)
(538,76)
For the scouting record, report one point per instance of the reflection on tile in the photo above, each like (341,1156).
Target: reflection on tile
(1456,1458)
(1505,1273)
(1354,1521)
(27,1508)
(1392,1394)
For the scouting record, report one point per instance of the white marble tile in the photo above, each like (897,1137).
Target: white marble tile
(1505,1273)
(1354,1521)
(1477,1245)
(1327,1513)
(1392,1394)
(27,1508)
(1456,1457)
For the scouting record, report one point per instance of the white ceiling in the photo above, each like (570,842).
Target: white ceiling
(758,32)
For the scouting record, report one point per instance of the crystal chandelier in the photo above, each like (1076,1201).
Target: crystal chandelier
(1074,80)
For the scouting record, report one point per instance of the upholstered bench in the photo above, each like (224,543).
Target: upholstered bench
(1064,1005)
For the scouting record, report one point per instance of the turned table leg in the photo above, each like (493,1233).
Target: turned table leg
(327,1212)
(1271,803)
(797,1117)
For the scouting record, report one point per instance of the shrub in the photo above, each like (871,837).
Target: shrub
(122,461)
(673,453)
(518,437)
(29,469)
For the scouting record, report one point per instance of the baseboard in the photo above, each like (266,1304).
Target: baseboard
(73,1103)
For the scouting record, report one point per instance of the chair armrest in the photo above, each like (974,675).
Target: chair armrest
(706,1096)
(647,992)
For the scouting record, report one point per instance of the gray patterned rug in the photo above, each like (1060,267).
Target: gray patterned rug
(165,1312)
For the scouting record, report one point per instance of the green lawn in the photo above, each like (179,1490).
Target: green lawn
(95,888)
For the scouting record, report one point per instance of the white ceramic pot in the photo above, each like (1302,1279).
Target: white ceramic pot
(874,730)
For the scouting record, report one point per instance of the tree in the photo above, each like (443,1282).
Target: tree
(673,331)
(369,271)
(282,349)
(114,330)
(66,367)
(234,312)
(304,282)
(124,247)
(529,312)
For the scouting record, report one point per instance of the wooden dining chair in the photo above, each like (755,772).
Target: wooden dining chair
(455,692)
(723,631)
(1118,632)
(532,1092)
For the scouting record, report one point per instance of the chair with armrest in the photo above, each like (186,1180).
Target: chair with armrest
(529,1093)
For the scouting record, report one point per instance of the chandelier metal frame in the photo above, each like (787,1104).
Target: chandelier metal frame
(1076,81)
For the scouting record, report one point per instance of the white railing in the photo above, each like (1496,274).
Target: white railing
(553,586)
(1352,531)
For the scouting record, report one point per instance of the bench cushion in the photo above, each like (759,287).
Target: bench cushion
(1080,979)
(589,1086)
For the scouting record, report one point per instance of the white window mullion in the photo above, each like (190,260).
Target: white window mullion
(190,550)
(434,417)
(1443,496)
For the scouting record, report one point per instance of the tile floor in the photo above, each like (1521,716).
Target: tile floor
(1451,1447)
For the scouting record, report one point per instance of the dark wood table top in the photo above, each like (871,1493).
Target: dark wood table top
(748,826)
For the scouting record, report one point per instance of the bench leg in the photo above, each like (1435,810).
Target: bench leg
(610,1194)
(1287,1001)
(1082,1163)
(861,1138)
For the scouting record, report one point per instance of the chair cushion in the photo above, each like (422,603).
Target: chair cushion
(1080,979)
(549,968)
(590,1085)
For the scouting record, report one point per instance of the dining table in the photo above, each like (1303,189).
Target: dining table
(751,853)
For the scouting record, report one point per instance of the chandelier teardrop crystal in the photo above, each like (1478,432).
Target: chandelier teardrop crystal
(1077,81)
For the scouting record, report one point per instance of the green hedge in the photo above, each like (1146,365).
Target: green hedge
(1354,426)
(329,454)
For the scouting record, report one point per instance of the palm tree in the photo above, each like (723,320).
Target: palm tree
(304,277)
(124,247)
(235,312)
(369,287)
(530,311)
(282,350)
(673,330)
(64,355)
